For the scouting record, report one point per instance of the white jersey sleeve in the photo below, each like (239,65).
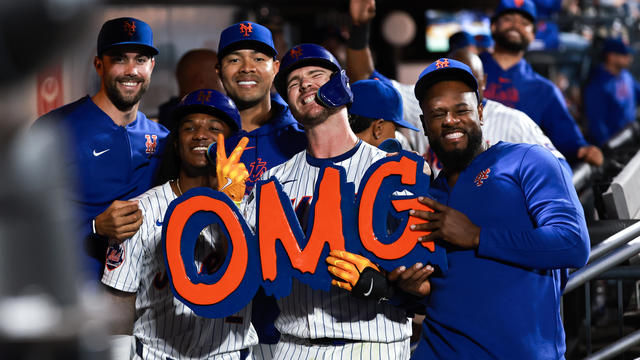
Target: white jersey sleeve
(411,111)
(503,123)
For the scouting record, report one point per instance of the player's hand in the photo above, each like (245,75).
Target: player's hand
(414,280)
(357,274)
(446,224)
(362,11)
(120,221)
(231,173)
(591,154)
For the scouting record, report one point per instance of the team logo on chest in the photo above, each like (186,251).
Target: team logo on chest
(481,177)
(115,256)
(151,144)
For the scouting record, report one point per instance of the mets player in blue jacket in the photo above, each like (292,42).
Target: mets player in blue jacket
(512,81)
(247,67)
(115,150)
(511,222)
(611,96)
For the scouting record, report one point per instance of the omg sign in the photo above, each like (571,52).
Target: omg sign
(375,224)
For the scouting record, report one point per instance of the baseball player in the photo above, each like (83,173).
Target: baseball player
(135,273)
(512,81)
(376,111)
(317,324)
(115,148)
(501,123)
(513,224)
(612,95)
(247,66)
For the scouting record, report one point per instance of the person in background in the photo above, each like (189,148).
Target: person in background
(611,95)
(462,40)
(195,70)
(376,112)
(512,81)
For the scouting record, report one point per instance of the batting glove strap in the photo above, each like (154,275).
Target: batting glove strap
(372,285)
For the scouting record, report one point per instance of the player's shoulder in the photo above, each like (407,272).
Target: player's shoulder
(280,171)
(66,112)
(144,123)
(161,192)
(523,152)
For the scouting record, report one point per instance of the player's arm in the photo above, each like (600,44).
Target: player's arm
(120,221)
(121,310)
(365,280)
(559,238)
(359,59)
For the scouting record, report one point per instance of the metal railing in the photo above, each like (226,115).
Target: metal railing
(616,249)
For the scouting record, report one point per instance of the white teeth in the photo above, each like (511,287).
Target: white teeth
(129,83)
(308,99)
(454,135)
(200,148)
(246,83)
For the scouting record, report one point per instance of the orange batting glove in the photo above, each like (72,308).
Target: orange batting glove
(231,173)
(358,275)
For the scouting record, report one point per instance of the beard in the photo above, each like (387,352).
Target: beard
(508,44)
(121,101)
(457,160)
(310,120)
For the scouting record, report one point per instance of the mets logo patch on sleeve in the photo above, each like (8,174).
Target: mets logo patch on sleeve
(115,256)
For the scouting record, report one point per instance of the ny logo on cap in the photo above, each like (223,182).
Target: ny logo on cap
(296,52)
(129,27)
(246,29)
(204,96)
(518,3)
(442,63)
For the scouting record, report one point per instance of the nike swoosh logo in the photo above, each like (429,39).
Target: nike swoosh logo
(227,184)
(288,181)
(158,222)
(100,153)
(370,289)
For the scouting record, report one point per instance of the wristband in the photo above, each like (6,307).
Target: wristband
(359,36)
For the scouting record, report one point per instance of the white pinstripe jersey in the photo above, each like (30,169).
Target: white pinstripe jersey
(502,123)
(164,325)
(311,314)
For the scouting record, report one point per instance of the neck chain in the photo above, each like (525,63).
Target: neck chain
(178,186)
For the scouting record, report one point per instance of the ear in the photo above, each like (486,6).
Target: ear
(153,63)
(480,112)
(276,66)
(217,67)
(98,65)
(424,125)
(377,128)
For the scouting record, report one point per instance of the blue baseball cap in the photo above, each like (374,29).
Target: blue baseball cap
(125,31)
(483,41)
(616,45)
(460,39)
(445,70)
(212,102)
(524,7)
(375,99)
(246,35)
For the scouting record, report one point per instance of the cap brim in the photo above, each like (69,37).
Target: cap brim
(151,49)
(405,124)
(181,111)
(448,74)
(248,44)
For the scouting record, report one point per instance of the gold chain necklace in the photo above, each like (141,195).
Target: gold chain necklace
(178,186)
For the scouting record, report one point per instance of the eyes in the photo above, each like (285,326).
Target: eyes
(215,129)
(121,59)
(295,82)
(441,114)
(236,59)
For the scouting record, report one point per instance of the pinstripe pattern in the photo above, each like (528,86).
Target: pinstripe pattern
(299,349)
(165,325)
(308,313)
